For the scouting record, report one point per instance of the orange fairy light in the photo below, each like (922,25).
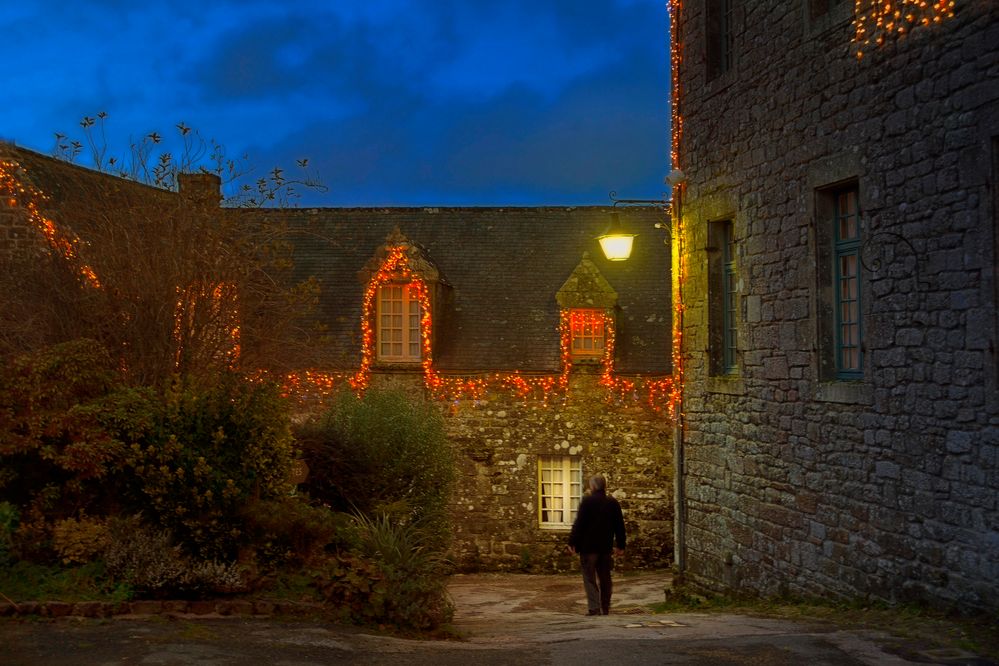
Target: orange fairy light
(317,385)
(875,20)
(28,196)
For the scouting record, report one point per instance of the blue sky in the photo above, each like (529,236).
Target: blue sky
(394,102)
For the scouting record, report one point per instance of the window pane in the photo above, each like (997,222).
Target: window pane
(398,335)
(560,487)
(847,241)
(586,331)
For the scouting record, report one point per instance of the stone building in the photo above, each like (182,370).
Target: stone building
(839,219)
(550,362)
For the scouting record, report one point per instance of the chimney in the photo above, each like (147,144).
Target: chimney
(202,189)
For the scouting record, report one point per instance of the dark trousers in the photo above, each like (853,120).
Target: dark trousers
(596,569)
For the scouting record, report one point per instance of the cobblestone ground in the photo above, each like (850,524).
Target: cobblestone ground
(502,619)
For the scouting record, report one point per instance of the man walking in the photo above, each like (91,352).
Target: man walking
(598,525)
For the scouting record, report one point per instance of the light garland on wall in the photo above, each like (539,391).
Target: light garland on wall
(676,121)
(877,20)
(18,194)
(313,385)
(660,393)
(222,304)
(673,391)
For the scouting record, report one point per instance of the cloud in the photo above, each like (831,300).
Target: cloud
(395,101)
(600,129)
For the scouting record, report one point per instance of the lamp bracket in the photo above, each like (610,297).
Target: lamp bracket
(664,202)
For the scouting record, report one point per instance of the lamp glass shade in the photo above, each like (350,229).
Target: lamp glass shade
(616,242)
(616,246)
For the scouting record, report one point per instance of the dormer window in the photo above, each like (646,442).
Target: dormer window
(398,328)
(588,301)
(404,292)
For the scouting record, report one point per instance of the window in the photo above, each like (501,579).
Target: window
(587,330)
(560,487)
(995,247)
(729,300)
(839,281)
(823,15)
(398,324)
(206,324)
(719,36)
(846,257)
(820,7)
(723,298)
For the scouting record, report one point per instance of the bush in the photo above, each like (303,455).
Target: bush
(211,451)
(27,581)
(74,438)
(146,560)
(9,517)
(394,578)
(415,571)
(143,558)
(78,541)
(289,532)
(382,454)
(62,424)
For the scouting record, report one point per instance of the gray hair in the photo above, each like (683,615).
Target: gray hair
(598,483)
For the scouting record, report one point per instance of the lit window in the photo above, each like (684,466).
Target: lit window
(587,329)
(846,240)
(398,324)
(560,487)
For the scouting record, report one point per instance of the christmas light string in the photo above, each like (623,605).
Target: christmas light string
(317,385)
(877,20)
(18,194)
(659,393)
(672,391)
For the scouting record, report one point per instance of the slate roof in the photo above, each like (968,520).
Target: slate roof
(65,183)
(504,266)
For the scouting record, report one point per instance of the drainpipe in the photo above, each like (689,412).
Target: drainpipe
(677,181)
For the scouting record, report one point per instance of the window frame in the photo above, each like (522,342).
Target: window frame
(410,334)
(567,466)
(596,353)
(846,253)
(730,300)
(821,16)
(817,8)
(719,37)
(723,299)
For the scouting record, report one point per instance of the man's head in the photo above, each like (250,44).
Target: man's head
(598,484)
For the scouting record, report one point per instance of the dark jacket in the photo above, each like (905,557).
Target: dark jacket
(598,523)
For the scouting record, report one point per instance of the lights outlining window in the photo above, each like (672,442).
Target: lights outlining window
(560,487)
(206,324)
(587,332)
(398,327)
(846,257)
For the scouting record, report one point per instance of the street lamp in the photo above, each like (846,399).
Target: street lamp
(616,241)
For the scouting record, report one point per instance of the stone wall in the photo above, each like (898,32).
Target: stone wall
(888,486)
(18,239)
(497,442)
